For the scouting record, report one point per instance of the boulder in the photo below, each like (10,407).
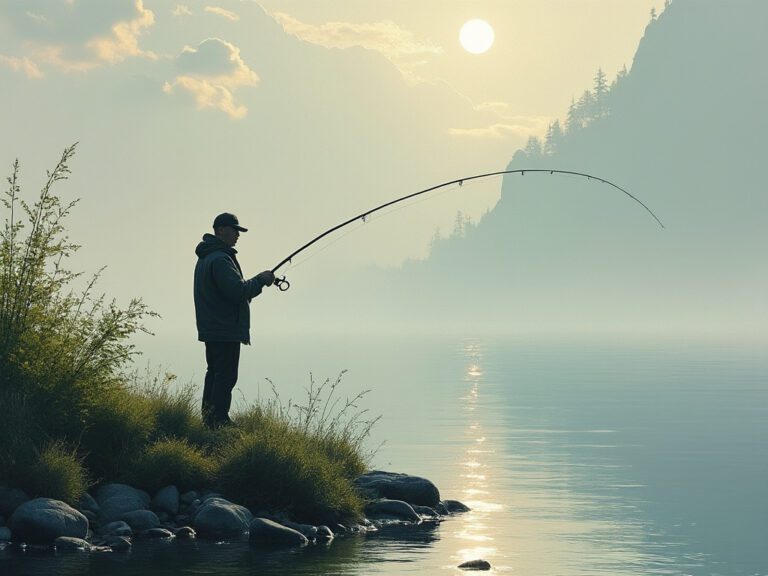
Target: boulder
(118,528)
(265,532)
(88,504)
(158,533)
(393,509)
(394,486)
(42,520)
(119,543)
(69,544)
(10,499)
(140,520)
(188,497)
(324,533)
(5,534)
(455,507)
(425,511)
(116,507)
(475,565)
(167,500)
(184,532)
(107,491)
(217,516)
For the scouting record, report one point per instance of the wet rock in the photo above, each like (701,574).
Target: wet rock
(10,499)
(5,534)
(217,516)
(455,507)
(43,520)
(88,504)
(188,497)
(394,486)
(115,507)
(392,509)
(140,520)
(425,511)
(107,491)
(68,544)
(475,565)
(158,533)
(185,532)
(93,519)
(324,533)
(167,500)
(119,543)
(265,532)
(118,528)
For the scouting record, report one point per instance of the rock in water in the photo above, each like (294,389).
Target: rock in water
(394,486)
(266,532)
(455,507)
(5,534)
(68,544)
(217,516)
(42,520)
(476,565)
(167,500)
(140,520)
(88,504)
(392,508)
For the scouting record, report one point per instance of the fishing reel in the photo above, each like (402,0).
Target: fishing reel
(282,284)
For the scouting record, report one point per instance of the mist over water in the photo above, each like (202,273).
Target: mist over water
(576,457)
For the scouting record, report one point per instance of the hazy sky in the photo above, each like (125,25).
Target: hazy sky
(294,114)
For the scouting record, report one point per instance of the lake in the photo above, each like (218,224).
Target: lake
(577,457)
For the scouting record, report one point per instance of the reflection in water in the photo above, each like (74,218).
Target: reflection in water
(475,528)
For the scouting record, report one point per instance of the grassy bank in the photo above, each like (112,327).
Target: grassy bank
(76,413)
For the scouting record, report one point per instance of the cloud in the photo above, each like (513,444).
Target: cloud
(181,10)
(77,35)
(228,14)
(22,65)
(515,126)
(124,39)
(399,46)
(211,73)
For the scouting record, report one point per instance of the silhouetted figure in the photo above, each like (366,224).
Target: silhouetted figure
(222,311)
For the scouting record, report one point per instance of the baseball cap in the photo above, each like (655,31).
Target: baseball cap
(227,219)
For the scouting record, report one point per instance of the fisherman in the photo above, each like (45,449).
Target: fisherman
(222,297)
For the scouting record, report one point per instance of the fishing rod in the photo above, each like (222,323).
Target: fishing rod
(283,284)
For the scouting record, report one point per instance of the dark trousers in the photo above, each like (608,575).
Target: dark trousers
(220,378)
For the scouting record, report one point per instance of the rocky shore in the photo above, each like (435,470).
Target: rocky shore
(115,515)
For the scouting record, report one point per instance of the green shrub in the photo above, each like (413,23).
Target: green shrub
(280,470)
(173,461)
(57,472)
(117,429)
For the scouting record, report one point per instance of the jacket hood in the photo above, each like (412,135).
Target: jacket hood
(211,244)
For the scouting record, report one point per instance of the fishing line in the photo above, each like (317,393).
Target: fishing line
(283,284)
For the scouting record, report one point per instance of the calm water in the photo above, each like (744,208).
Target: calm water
(577,458)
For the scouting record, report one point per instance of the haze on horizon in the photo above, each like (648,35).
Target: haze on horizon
(293,114)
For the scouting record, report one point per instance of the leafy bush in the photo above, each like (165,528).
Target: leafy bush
(57,472)
(118,428)
(173,461)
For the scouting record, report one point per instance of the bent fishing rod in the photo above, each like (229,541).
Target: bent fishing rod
(283,284)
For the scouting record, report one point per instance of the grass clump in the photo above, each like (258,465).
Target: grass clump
(173,461)
(299,457)
(57,472)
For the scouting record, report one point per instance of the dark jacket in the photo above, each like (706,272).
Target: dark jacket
(222,295)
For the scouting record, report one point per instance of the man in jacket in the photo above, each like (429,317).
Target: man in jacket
(222,297)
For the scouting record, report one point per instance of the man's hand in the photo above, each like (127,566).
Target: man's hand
(265,278)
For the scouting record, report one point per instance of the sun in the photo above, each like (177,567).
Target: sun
(476,36)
